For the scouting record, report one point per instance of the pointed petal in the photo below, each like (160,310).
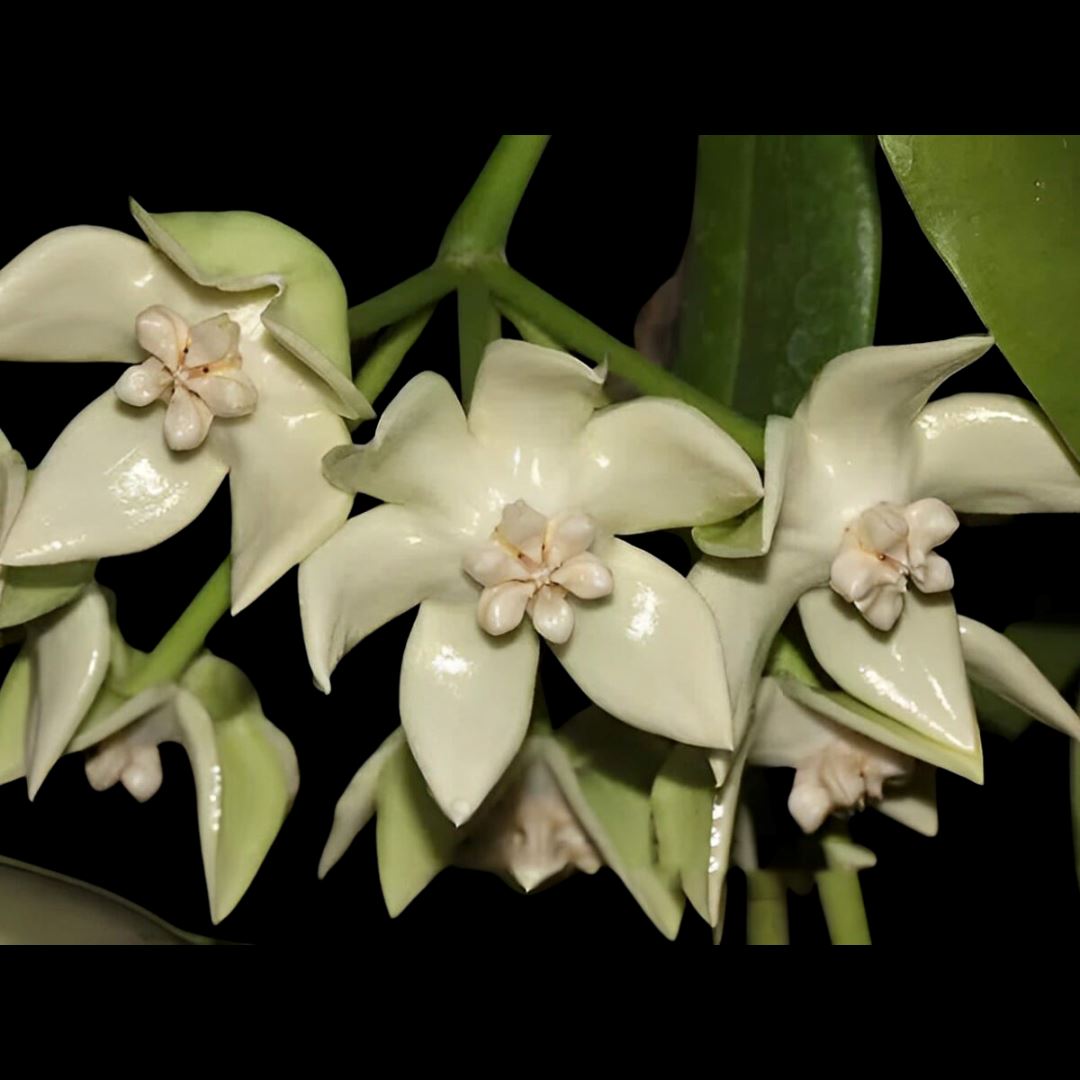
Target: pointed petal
(245,776)
(914,673)
(994,454)
(422,455)
(69,653)
(109,486)
(849,712)
(14,711)
(994,662)
(76,293)
(528,407)
(750,534)
(143,383)
(608,789)
(649,653)
(872,396)
(356,807)
(187,420)
(655,463)
(915,804)
(283,507)
(239,252)
(413,839)
(749,600)
(682,802)
(39,907)
(465,702)
(374,568)
(725,811)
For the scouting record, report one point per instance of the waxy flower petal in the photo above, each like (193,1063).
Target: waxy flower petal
(512,487)
(465,702)
(265,314)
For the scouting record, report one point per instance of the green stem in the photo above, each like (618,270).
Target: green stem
(842,901)
(182,643)
(478,325)
(528,330)
(482,222)
(380,367)
(565,324)
(403,300)
(766,908)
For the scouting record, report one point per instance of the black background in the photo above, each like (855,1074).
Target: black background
(602,225)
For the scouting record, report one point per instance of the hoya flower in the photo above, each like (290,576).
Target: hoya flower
(60,697)
(862,485)
(502,526)
(235,330)
(576,800)
(846,757)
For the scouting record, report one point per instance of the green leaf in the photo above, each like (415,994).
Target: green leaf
(682,802)
(413,838)
(1003,211)
(781,269)
(1055,650)
(39,907)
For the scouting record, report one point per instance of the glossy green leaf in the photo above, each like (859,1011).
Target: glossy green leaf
(682,803)
(781,269)
(1055,650)
(413,837)
(1003,211)
(39,907)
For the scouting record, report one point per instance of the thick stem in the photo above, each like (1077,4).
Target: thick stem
(766,908)
(566,325)
(381,366)
(182,643)
(403,300)
(478,325)
(842,901)
(482,222)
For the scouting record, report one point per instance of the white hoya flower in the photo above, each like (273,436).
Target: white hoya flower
(862,484)
(511,510)
(235,327)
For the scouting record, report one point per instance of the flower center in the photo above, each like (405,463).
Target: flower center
(886,545)
(197,369)
(530,564)
(841,778)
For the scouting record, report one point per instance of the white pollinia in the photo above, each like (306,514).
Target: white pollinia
(236,330)
(514,509)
